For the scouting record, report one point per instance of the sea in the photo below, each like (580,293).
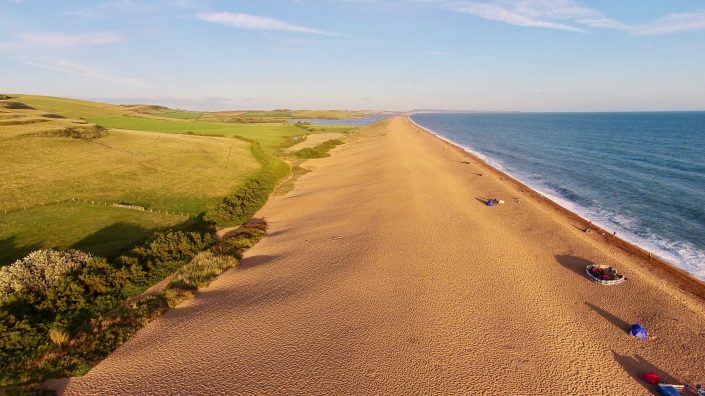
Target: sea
(641,175)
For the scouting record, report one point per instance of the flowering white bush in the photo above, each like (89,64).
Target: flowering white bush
(38,270)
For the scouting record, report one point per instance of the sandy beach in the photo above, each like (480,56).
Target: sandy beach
(384,273)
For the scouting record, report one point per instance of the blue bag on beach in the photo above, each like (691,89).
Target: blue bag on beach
(667,390)
(639,332)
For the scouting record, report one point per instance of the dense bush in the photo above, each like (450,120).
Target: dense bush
(51,115)
(163,254)
(201,270)
(87,131)
(81,299)
(235,243)
(29,315)
(241,205)
(319,151)
(17,106)
(38,270)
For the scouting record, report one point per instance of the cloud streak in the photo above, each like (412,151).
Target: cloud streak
(673,23)
(65,40)
(568,15)
(82,70)
(132,7)
(550,14)
(254,22)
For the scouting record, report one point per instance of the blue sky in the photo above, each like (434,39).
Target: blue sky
(540,55)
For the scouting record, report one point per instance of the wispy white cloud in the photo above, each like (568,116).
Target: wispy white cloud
(111,7)
(247,21)
(550,14)
(673,23)
(65,40)
(131,7)
(82,70)
(270,64)
(568,15)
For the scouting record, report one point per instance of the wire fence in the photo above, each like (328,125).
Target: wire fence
(99,203)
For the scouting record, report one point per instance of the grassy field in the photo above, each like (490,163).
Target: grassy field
(100,230)
(254,116)
(154,170)
(158,171)
(70,108)
(158,158)
(166,112)
(270,135)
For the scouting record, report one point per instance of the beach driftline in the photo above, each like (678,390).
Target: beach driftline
(384,272)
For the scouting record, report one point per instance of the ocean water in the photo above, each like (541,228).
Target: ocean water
(357,121)
(639,174)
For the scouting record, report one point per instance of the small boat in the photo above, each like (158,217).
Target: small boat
(604,275)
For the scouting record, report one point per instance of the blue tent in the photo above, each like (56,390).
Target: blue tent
(667,390)
(639,332)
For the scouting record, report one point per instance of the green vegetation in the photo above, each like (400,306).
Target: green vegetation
(163,173)
(195,275)
(156,171)
(238,207)
(206,266)
(269,135)
(68,326)
(244,237)
(318,151)
(101,230)
(55,328)
(16,106)
(70,108)
(330,114)
(162,111)
(284,115)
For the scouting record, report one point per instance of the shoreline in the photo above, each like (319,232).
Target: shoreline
(646,260)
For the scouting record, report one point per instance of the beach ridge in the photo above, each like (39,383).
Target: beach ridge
(385,273)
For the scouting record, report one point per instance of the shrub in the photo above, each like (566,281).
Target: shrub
(241,205)
(58,336)
(176,295)
(166,247)
(235,243)
(201,270)
(319,151)
(88,131)
(17,106)
(80,298)
(50,115)
(4,97)
(39,269)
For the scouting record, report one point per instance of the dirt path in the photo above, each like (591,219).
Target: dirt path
(383,274)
